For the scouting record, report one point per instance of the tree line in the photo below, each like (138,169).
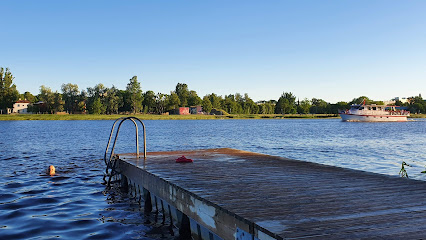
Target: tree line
(103,100)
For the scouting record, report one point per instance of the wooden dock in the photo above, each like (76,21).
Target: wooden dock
(233,194)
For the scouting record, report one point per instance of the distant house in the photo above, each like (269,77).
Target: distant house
(403,100)
(196,110)
(187,110)
(39,107)
(180,111)
(21,106)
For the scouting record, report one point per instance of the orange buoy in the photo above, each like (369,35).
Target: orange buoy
(51,170)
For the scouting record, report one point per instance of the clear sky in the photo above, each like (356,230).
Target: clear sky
(333,50)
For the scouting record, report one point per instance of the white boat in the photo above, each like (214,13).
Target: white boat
(374,113)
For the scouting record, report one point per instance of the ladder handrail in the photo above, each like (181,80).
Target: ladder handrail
(123,119)
(109,140)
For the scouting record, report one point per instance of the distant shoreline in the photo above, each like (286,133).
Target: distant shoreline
(15,117)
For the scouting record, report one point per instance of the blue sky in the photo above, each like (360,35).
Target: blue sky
(333,50)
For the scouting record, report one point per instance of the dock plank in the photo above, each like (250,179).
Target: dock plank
(297,199)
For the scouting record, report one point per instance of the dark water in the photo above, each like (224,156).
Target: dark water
(75,205)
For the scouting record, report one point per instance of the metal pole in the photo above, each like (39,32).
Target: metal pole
(109,140)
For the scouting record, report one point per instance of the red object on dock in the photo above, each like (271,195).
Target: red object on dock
(183,159)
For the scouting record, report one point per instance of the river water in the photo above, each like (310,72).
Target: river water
(74,204)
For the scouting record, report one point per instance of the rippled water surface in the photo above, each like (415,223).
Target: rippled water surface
(75,205)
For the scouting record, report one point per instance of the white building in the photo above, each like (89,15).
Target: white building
(390,102)
(393,101)
(403,100)
(21,106)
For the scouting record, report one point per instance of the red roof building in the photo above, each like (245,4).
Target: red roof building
(21,106)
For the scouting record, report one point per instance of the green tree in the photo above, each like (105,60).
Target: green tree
(28,96)
(183,94)
(417,108)
(230,105)
(207,104)
(281,105)
(99,91)
(360,100)
(149,101)
(48,98)
(194,99)
(254,108)
(248,105)
(319,106)
(82,100)
(173,101)
(286,104)
(239,99)
(81,106)
(58,103)
(160,103)
(215,101)
(417,104)
(111,100)
(70,94)
(266,108)
(124,101)
(97,106)
(8,92)
(262,108)
(135,94)
(338,107)
(304,106)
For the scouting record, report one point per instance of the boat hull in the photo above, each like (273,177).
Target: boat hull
(372,118)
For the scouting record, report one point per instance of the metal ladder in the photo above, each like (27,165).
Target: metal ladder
(112,160)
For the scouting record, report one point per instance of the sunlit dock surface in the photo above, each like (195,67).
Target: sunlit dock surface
(230,192)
